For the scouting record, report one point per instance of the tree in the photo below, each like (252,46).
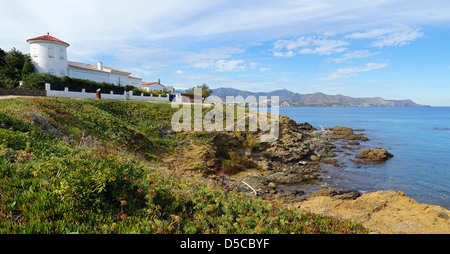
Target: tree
(28,67)
(205,90)
(12,66)
(2,57)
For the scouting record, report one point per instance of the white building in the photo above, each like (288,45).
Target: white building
(157,86)
(49,55)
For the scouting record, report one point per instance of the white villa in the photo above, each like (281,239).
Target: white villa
(49,55)
(157,86)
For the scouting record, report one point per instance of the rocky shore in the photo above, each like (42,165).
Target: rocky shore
(295,160)
(289,170)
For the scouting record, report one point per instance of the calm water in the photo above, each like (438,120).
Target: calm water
(419,138)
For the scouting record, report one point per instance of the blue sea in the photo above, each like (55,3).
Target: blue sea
(419,138)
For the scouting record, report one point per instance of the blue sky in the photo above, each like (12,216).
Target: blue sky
(394,49)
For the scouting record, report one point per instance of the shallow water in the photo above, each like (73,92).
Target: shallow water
(418,137)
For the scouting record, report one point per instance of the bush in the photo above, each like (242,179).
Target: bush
(8,83)
(139,91)
(38,80)
(88,179)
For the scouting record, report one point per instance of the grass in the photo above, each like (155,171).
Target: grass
(80,165)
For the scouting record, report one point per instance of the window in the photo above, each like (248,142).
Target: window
(61,54)
(34,51)
(50,52)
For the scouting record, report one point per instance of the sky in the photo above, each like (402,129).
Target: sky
(394,49)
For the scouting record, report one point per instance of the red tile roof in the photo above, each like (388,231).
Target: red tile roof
(151,83)
(93,67)
(47,37)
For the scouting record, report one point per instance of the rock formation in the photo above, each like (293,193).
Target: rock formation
(376,155)
(386,212)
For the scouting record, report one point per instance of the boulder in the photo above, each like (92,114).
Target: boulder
(330,192)
(346,133)
(386,212)
(376,155)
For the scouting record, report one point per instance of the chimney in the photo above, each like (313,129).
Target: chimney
(99,65)
(159,82)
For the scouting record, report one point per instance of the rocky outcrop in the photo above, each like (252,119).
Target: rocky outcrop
(295,159)
(340,132)
(375,155)
(387,212)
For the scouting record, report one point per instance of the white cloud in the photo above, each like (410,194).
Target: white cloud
(352,55)
(284,54)
(229,65)
(318,45)
(164,36)
(253,65)
(188,20)
(203,64)
(264,69)
(345,73)
(396,35)
(221,65)
(292,44)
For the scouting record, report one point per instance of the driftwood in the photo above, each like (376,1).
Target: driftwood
(251,188)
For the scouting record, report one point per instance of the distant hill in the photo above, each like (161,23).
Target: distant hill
(288,98)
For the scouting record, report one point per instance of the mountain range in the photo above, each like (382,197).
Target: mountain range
(289,98)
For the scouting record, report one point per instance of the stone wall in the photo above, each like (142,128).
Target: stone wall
(23,92)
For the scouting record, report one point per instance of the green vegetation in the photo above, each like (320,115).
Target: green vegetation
(80,165)
(38,80)
(205,90)
(139,91)
(14,65)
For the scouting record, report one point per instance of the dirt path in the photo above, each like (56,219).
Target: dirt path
(6,97)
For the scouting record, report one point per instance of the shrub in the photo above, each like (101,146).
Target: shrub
(54,184)
(91,180)
(8,82)
(38,80)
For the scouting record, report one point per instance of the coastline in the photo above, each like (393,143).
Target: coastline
(280,172)
(290,171)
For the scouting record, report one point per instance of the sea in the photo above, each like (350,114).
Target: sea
(418,137)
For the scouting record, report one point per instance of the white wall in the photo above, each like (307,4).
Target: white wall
(49,57)
(148,98)
(97,76)
(100,76)
(116,79)
(124,96)
(154,87)
(136,82)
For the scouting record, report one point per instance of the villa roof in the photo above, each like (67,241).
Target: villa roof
(47,37)
(94,67)
(152,83)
